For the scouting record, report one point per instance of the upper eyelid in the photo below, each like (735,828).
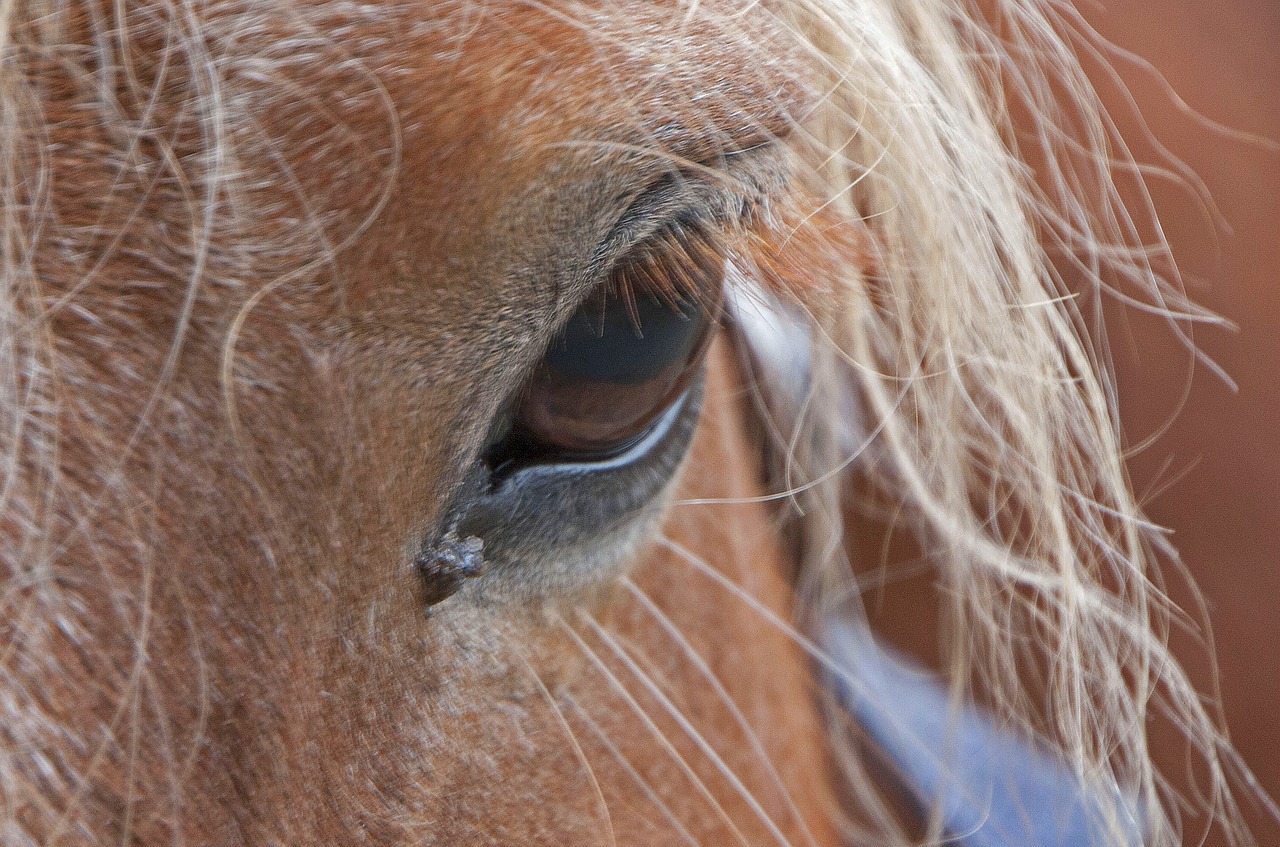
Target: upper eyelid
(664,202)
(676,200)
(706,195)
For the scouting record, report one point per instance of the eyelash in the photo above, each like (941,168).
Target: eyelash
(676,266)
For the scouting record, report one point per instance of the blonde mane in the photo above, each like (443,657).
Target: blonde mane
(953,166)
(977,154)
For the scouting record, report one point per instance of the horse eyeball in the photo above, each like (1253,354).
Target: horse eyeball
(627,354)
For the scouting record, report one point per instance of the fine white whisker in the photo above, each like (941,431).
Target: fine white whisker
(654,730)
(690,730)
(636,777)
(571,736)
(705,670)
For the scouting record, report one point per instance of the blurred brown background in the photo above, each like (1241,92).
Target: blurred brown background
(1214,477)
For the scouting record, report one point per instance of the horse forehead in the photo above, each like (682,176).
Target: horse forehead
(686,83)
(473,79)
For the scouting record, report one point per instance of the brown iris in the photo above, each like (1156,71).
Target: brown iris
(625,356)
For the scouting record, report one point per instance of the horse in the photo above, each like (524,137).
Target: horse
(441,422)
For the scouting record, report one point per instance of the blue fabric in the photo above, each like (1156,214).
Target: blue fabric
(992,788)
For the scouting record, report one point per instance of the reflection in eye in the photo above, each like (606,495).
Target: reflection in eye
(625,356)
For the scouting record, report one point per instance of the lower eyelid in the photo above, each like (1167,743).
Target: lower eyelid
(551,530)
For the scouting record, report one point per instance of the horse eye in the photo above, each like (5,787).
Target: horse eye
(623,358)
(580,458)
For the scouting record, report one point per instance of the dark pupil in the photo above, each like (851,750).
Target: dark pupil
(616,342)
(621,360)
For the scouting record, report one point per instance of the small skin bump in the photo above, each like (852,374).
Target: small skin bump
(445,565)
